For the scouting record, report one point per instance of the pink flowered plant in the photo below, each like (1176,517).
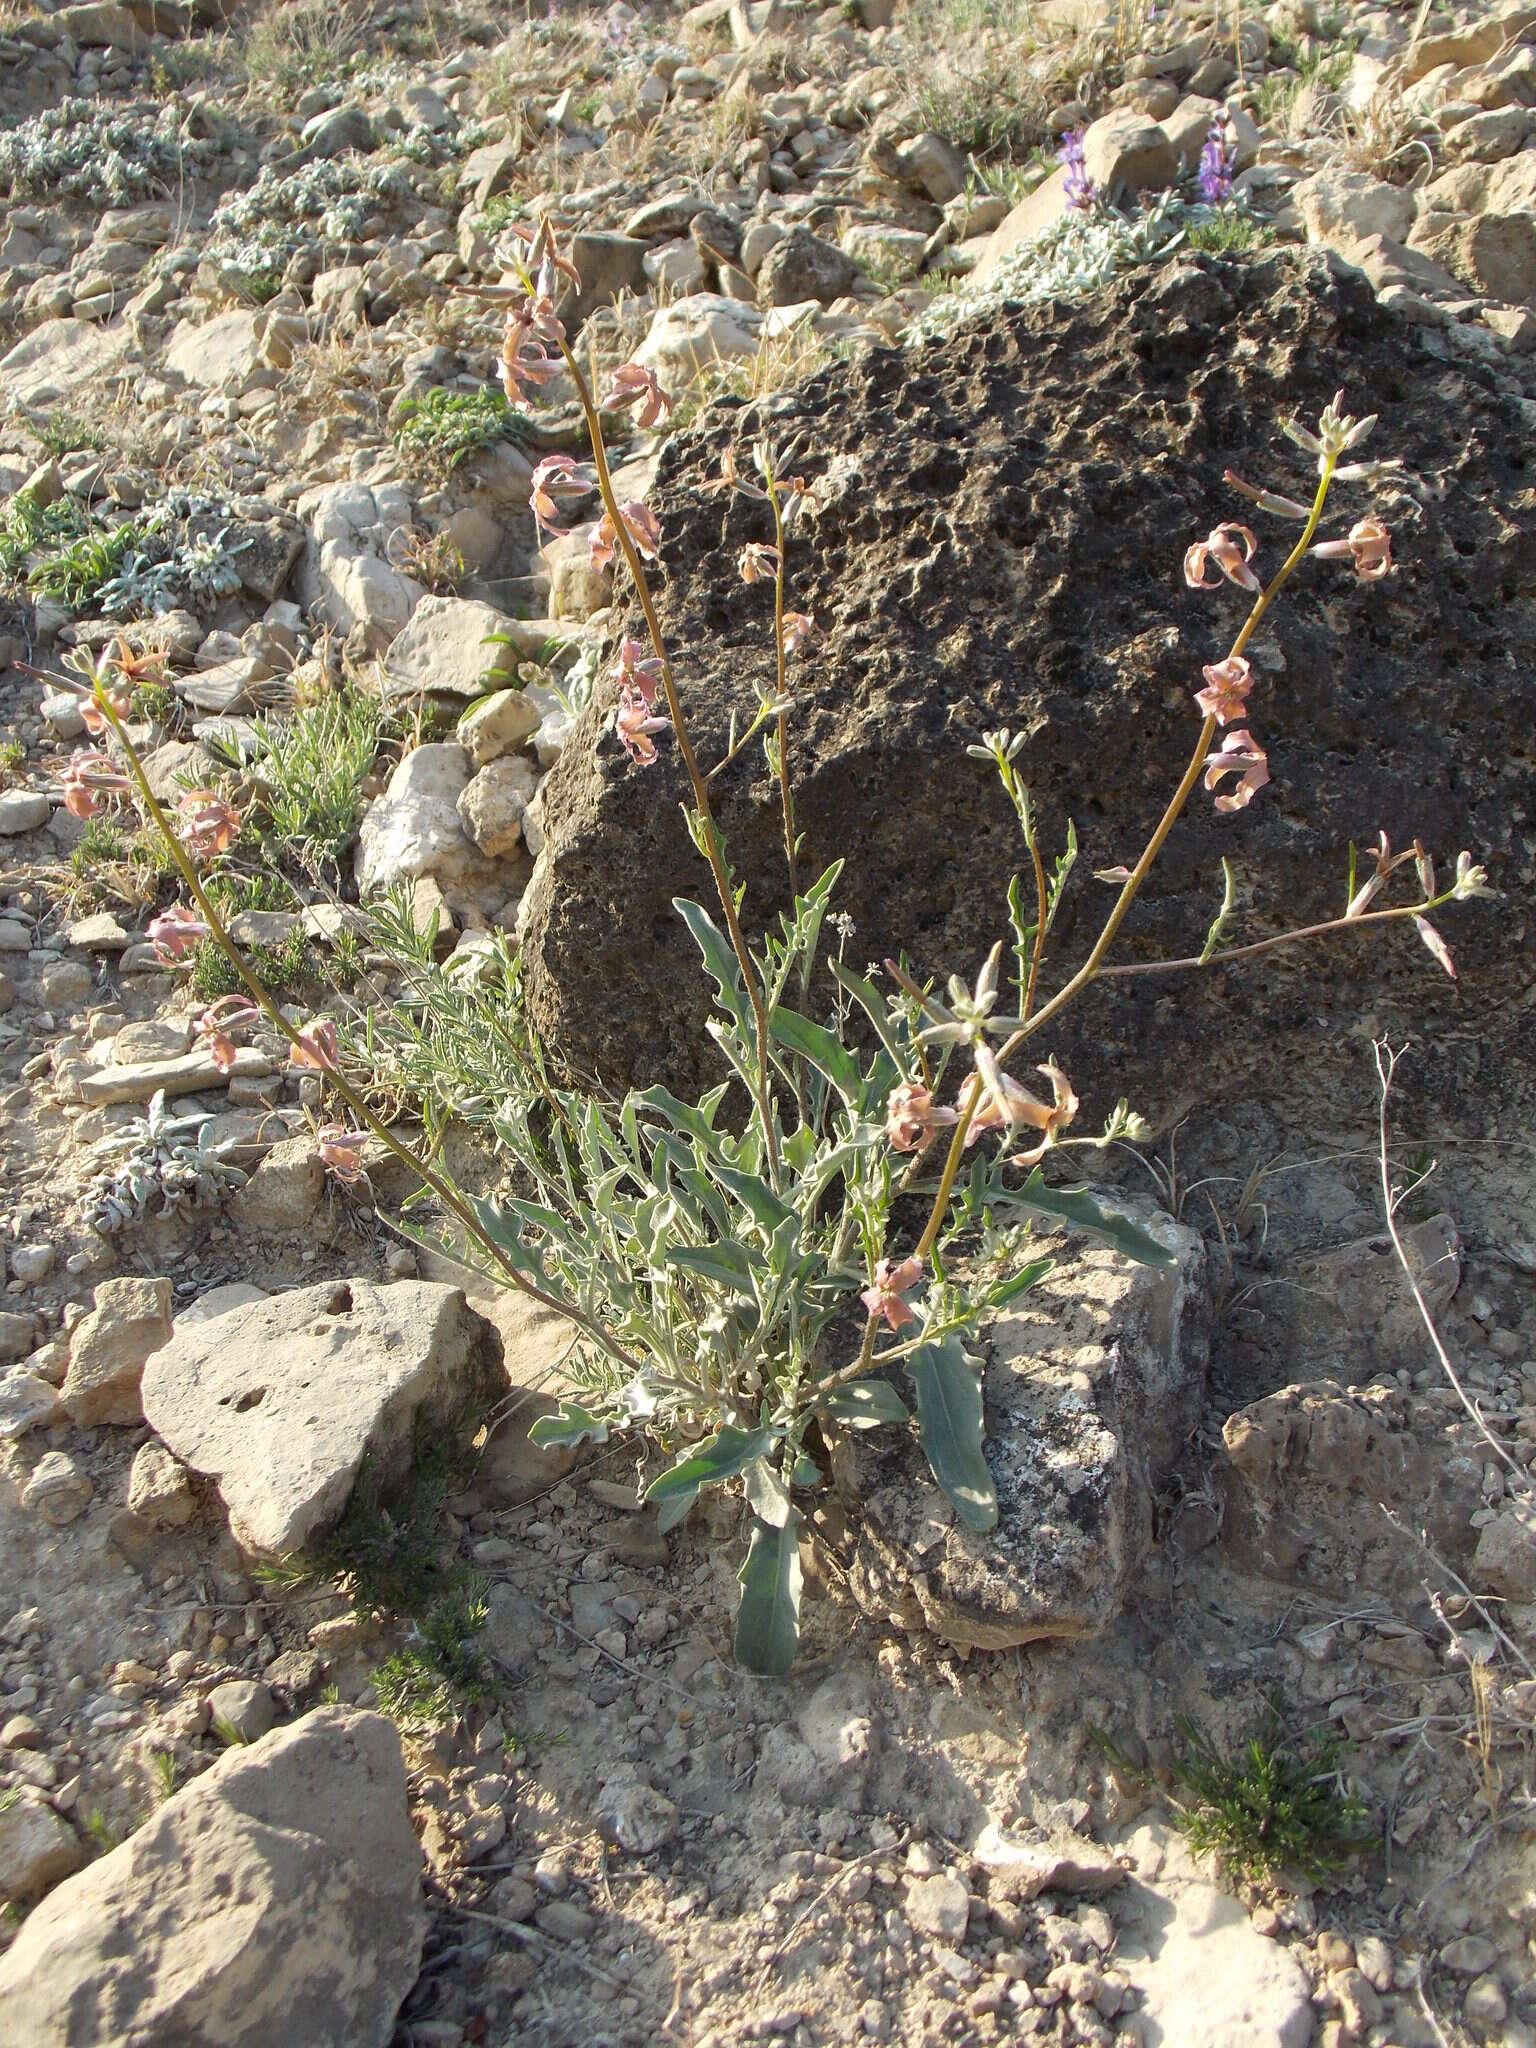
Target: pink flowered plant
(640,524)
(1227,684)
(340,1152)
(758,562)
(1368,544)
(216,1024)
(891,1282)
(317,1047)
(1221,549)
(555,473)
(87,779)
(800,632)
(634,385)
(209,825)
(1241,755)
(175,933)
(913,1118)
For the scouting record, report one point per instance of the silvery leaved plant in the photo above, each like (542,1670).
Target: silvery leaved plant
(741,1269)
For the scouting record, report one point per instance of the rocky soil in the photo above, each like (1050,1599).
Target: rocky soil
(331,1710)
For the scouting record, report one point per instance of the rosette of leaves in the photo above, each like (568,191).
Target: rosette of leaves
(725,1274)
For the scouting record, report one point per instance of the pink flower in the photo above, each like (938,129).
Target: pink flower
(216,1023)
(639,673)
(891,1282)
(525,360)
(634,385)
(93,716)
(317,1047)
(731,479)
(340,1151)
(1436,944)
(1241,755)
(1368,543)
(634,725)
(555,473)
(86,779)
(1225,696)
(209,825)
(757,560)
(912,1117)
(175,933)
(800,631)
(641,526)
(1387,863)
(1220,548)
(1005,1102)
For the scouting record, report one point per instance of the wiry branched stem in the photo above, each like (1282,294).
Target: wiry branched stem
(1091,968)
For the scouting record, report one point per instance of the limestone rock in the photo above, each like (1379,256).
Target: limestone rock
(280,1401)
(442,651)
(1345,208)
(1040,210)
(160,1490)
(1210,1979)
(284,1192)
(1062,1862)
(686,341)
(1093,1380)
(27,1402)
(633,1815)
(219,354)
(414,829)
(130,1321)
(58,1489)
(60,360)
(37,1848)
(940,1906)
(246,1706)
(499,723)
(277,1898)
(933,166)
(800,266)
(1505,1558)
(1125,152)
(492,803)
(911,525)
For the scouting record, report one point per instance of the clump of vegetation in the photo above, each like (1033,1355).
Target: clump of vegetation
(63,433)
(102,152)
(28,528)
(449,426)
(813,1245)
(439,1671)
(1277,1806)
(289,48)
(311,767)
(285,967)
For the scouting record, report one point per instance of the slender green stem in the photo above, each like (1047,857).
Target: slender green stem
(1305,931)
(1038,949)
(786,795)
(444,1191)
(707,824)
(1091,967)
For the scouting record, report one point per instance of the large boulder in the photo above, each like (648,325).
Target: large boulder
(1004,517)
(276,1899)
(279,1402)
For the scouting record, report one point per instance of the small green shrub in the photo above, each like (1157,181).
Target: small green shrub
(449,426)
(1279,1805)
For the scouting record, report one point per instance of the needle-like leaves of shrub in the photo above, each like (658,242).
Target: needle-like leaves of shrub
(949,1420)
(768,1619)
(722,1456)
(1076,1208)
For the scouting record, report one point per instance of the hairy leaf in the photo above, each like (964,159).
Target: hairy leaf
(1077,1208)
(865,1404)
(768,1618)
(720,1457)
(718,958)
(569,1426)
(949,1420)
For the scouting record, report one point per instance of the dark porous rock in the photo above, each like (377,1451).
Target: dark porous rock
(1092,1384)
(1005,513)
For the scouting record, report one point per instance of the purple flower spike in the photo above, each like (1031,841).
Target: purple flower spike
(1216,164)
(1080,188)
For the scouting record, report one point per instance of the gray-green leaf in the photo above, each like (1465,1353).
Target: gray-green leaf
(865,1404)
(1079,1211)
(569,1426)
(949,1420)
(768,1619)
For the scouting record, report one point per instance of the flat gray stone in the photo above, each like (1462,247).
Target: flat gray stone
(281,1400)
(276,1899)
(182,1076)
(23,810)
